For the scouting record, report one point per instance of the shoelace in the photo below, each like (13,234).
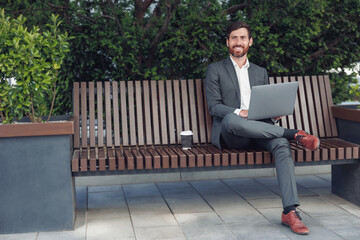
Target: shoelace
(299,139)
(297,213)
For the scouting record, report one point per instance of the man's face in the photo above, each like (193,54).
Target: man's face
(238,42)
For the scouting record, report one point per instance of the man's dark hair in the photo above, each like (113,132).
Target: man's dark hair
(235,26)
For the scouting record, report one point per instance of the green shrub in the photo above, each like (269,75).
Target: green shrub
(32,58)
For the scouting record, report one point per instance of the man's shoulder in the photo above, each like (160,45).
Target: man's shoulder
(220,63)
(256,67)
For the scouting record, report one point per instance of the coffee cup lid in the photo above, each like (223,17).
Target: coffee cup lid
(187,132)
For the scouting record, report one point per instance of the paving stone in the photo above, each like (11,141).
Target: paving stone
(187,203)
(328,195)
(22,236)
(110,229)
(141,190)
(266,202)
(312,181)
(147,205)
(180,188)
(318,207)
(339,222)
(349,233)
(256,229)
(160,233)
(203,226)
(150,212)
(351,208)
(113,188)
(249,188)
(79,232)
(317,231)
(106,200)
(101,213)
(211,187)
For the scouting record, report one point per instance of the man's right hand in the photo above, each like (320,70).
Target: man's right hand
(243,113)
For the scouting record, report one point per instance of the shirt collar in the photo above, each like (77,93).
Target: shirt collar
(246,66)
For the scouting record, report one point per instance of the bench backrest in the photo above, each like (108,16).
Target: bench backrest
(145,113)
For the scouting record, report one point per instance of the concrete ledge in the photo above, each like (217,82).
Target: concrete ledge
(192,175)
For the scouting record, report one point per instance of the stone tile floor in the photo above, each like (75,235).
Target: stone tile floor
(246,208)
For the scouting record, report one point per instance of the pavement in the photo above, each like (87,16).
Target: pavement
(240,208)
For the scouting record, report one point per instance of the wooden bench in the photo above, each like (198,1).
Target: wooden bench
(129,127)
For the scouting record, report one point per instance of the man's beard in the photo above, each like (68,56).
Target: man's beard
(232,51)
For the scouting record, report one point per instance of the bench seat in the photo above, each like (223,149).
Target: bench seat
(130,126)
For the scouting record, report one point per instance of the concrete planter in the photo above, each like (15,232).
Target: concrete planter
(346,177)
(36,185)
(348,122)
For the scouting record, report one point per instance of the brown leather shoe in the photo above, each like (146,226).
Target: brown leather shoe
(306,140)
(293,220)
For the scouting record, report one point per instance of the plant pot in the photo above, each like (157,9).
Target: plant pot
(348,121)
(37,188)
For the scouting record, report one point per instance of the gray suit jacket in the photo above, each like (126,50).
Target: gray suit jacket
(223,92)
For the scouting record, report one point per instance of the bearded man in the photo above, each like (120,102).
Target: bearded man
(228,86)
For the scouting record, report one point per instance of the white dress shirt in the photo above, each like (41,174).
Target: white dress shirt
(244,85)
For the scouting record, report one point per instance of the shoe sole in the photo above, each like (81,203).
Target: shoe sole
(304,233)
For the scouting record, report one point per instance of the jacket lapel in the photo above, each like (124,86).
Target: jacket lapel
(252,73)
(231,70)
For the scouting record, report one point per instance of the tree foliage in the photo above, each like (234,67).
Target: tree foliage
(167,39)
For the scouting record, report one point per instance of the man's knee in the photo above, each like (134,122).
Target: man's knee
(229,122)
(279,143)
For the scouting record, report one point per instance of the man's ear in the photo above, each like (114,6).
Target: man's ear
(250,41)
(227,42)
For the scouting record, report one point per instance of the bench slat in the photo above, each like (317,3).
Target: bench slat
(155,112)
(193,114)
(92,114)
(162,107)
(147,113)
(297,115)
(112,159)
(170,112)
(75,161)
(310,105)
(178,116)
(131,112)
(115,98)
(330,104)
(201,112)
(84,161)
(124,114)
(139,114)
(290,118)
(325,107)
(76,115)
(156,158)
(108,123)
(83,115)
(92,160)
(303,106)
(100,119)
(120,158)
(318,109)
(165,158)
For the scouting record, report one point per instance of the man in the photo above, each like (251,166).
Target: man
(228,87)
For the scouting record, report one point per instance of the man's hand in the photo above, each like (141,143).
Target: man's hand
(275,119)
(243,113)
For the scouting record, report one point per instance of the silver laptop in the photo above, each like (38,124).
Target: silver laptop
(272,100)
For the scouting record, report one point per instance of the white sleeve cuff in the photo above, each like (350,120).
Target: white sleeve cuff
(237,111)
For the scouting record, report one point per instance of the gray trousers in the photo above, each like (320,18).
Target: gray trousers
(239,133)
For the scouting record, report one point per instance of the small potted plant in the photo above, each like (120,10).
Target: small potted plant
(37,190)
(348,117)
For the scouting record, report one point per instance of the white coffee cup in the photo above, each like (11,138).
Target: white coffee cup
(186,139)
